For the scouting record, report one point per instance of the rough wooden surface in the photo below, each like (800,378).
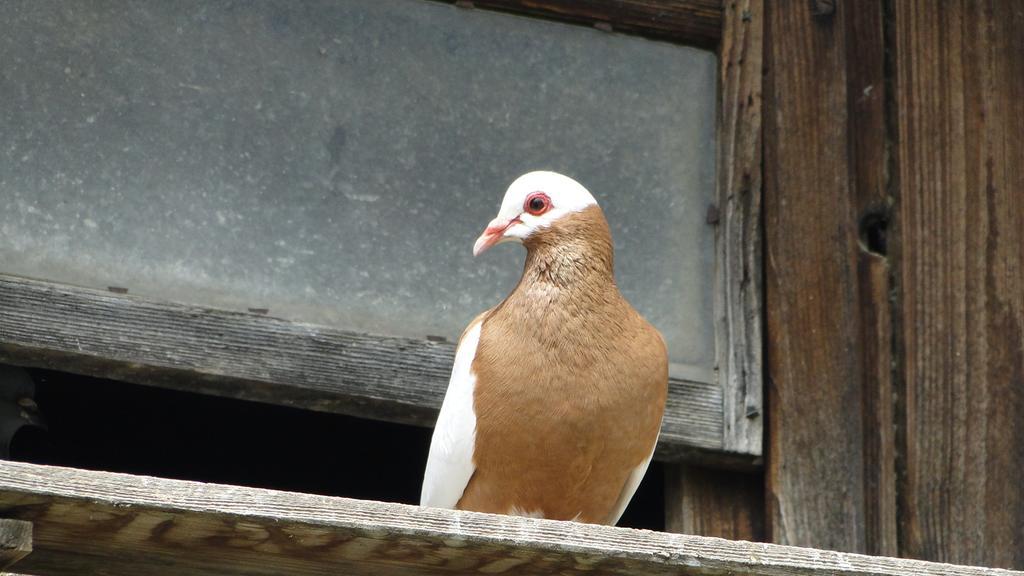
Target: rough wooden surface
(871,160)
(696,22)
(739,278)
(97,522)
(718,503)
(960,93)
(265,359)
(815,455)
(15,541)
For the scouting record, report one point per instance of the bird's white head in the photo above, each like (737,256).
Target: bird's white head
(534,201)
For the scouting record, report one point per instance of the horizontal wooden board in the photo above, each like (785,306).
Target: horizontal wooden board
(98,522)
(264,359)
(695,22)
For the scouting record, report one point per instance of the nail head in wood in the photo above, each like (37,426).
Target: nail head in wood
(713,216)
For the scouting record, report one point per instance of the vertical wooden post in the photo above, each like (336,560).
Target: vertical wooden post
(830,457)
(815,473)
(960,94)
(721,503)
(739,280)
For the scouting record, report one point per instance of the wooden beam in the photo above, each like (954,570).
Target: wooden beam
(959,88)
(15,541)
(98,522)
(265,359)
(816,488)
(695,22)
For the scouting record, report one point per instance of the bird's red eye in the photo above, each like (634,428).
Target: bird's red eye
(537,203)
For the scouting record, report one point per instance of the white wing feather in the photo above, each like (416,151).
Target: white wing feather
(450,462)
(632,483)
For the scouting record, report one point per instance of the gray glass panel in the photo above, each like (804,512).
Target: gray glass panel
(334,161)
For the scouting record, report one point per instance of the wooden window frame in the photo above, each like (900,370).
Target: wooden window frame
(403,380)
(735,29)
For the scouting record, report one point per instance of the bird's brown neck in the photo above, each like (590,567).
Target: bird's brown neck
(573,255)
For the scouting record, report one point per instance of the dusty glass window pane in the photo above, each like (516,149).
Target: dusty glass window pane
(334,161)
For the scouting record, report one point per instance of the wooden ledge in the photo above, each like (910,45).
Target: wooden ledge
(265,359)
(91,522)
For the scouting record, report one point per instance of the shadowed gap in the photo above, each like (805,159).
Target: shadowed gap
(106,425)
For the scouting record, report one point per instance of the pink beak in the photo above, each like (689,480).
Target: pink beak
(493,234)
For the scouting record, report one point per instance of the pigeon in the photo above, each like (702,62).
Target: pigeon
(557,393)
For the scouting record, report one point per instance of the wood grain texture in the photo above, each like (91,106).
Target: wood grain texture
(15,541)
(695,22)
(97,522)
(265,359)
(739,275)
(717,503)
(880,478)
(871,161)
(960,90)
(815,473)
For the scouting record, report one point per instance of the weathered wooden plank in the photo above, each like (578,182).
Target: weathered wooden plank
(15,541)
(98,522)
(718,503)
(695,22)
(265,359)
(871,163)
(815,456)
(960,90)
(739,279)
